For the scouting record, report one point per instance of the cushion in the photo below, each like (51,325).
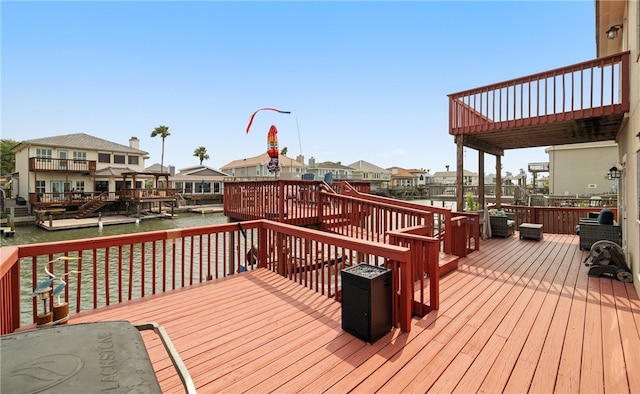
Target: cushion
(605,216)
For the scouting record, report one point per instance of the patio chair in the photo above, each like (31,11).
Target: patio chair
(328,178)
(305,191)
(501,225)
(602,228)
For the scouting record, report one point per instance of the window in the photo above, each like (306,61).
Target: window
(79,186)
(41,186)
(118,159)
(43,155)
(179,187)
(102,186)
(79,157)
(203,187)
(120,185)
(104,158)
(133,160)
(216,187)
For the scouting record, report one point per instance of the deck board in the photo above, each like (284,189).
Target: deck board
(516,316)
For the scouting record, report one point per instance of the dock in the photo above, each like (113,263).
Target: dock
(68,224)
(7,231)
(207,209)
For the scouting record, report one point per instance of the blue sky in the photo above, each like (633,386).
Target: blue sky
(363,80)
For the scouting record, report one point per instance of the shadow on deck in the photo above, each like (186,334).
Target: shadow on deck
(518,316)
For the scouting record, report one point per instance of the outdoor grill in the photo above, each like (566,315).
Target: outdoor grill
(80,358)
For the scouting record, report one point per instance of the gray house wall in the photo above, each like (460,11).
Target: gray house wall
(581,168)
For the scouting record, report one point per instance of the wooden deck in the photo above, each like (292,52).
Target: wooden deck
(516,316)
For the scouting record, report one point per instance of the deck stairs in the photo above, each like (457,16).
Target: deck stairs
(332,223)
(446,262)
(91,207)
(18,211)
(180,201)
(341,225)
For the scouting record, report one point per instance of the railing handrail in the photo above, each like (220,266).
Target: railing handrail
(61,165)
(425,250)
(570,92)
(618,57)
(444,215)
(256,200)
(555,220)
(177,248)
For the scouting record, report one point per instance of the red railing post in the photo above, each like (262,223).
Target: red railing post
(9,290)
(406,295)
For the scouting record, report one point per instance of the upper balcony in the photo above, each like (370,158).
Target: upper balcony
(584,102)
(61,165)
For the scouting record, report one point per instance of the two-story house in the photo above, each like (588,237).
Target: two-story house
(449,177)
(378,177)
(256,168)
(424,177)
(339,171)
(67,170)
(402,178)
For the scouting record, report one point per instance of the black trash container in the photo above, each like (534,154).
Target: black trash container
(21,201)
(366,301)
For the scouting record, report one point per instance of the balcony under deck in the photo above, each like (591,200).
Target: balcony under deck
(516,316)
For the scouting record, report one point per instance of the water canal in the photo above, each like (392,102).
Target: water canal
(30,234)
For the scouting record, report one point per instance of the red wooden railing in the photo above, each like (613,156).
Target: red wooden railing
(366,219)
(117,269)
(584,90)
(75,198)
(345,211)
(424,255)
(554,220)
(443,219)
(9,289)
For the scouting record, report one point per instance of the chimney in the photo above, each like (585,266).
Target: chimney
(134,143)
(300,158)
(312,162)
(172,170)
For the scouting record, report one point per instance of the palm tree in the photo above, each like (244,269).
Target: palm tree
(284,151)
(162,131)
(201,153)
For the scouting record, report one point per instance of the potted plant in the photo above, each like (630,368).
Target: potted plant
(470,203)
